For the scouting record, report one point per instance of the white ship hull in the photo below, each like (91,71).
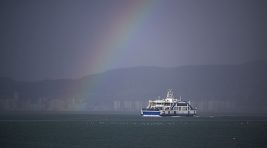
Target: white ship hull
(168,107)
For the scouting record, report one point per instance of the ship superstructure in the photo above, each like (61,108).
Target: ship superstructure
(168,107)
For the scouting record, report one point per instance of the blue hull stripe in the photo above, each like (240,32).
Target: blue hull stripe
(151,113)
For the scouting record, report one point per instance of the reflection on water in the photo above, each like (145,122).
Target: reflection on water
(92,130)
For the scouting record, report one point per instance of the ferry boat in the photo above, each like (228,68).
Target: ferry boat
(168,107)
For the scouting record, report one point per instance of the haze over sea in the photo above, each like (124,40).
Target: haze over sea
(79,130)
(61,61)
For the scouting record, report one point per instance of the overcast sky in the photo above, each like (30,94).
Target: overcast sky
(52,39)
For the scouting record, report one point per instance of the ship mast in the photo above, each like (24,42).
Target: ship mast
(170,94)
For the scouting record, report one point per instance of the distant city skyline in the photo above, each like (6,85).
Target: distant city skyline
(70,39)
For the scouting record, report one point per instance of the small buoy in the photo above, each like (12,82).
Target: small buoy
(234,138)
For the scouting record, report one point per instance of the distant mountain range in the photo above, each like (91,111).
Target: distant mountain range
(212,88)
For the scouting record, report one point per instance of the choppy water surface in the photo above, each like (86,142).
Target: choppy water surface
(91,130)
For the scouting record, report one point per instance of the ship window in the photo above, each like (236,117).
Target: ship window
(175,112)
(184,108)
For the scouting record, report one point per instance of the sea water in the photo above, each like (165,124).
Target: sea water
(57,130)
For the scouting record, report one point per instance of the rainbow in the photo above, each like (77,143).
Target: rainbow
(119,35)
(115,41)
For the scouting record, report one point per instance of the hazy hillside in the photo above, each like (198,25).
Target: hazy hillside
(212,88)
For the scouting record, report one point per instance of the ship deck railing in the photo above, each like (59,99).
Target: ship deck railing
(150,109)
